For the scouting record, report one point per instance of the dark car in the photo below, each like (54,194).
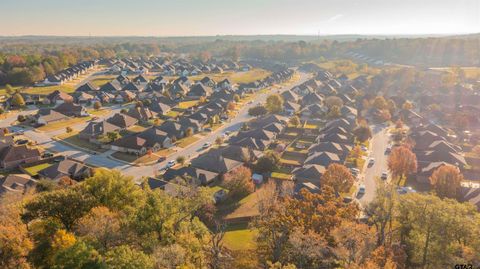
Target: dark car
(47,155)
(161,159)
(21,141)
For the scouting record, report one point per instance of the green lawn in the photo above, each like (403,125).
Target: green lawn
(184,142)
(172,114)
(72,138)
(279,175)
(62,124)
(68,88)
(187,104)
(33,170)
(99,82)
(239,237)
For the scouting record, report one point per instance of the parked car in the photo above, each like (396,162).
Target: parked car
(361,190)
(206,145)
(388,150)
(21,141)
(47,155)
(208,130)
(161,159)
(171,163)
(384,176)
(364,148)
(371,161)
(355,171)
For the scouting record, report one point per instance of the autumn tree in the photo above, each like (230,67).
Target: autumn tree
(274,103)
(188,132)
(446,180)
(239,182)
(402,162)
(126,257)
(338,177)
(334,112)
(97,105)
(17,100)
(219,140)
(101,227)
(354,243)
(231,106)
(380,103)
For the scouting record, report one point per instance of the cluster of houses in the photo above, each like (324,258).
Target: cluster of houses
(193,120)
(68,74)
(12,155)
(168,66)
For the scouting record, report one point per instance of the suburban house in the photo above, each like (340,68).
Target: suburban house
(96,129)
(57,97)
(72,110)
(66,168)
(204,177)
(151,139)
(309,173)
(122,120)
(11,156)
(215,162)
(199,89)
(141,113)
(46,116)
(87,87)
(16,183)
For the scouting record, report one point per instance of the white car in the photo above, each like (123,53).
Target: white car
(361,190)
(206,145)
(171,163)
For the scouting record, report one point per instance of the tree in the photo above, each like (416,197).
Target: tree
(17,100)
(181,160)
(219,140)
(295,121)
(123,257)
(97,105)
(236,98)
(362,133)
(239,182)
(188,132)
(54,205)
(2,110)
(21,118)
(268,162)
(334,112)
(100,226)
(380,103)
(354,243)
(9,89)
(407,105)
(112,136)
(231,106)
(112,189)
(257,111)
(332,101)
(274,103)
(68,129)
(446,180)
(338,177)
(78,256)
(402,161)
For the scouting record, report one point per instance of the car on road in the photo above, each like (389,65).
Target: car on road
(361,190)
(371,162)
(208,130)
(388,150)
(364,148)
(384,176)
(171,163)
(227,133)
(47,155)
(21,141)
(161,159)
(206,145)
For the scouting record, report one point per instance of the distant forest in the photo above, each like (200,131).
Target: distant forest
(25,60)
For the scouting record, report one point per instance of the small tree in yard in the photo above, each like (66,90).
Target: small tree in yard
(295,121)
(69,129)
(236,98)
(402,161)
(189,132)
(446,181)
(2,110)
(17,100)
(112,136)
(274,103)
(97,105)
(268,162)
(363,133)
(21,118)
(181,160)
(239,182)
(338,177)
(257,111)
(231,106)
(219,141)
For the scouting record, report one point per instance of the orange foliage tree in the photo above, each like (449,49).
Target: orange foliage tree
(338,177)
(446,181)
(402,162)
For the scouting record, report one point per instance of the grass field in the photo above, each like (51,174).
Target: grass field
(235,77)
(279,175)
(240,237)
(143,159)
(33,170)
(185,142)
(187,104)
(63,124)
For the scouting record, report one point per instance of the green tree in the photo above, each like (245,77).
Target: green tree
(124,257)
(257,111)
(181,160)
(274,103)
(362,133)
(268,162)
(66,206)
(17,100)
(9,89)
(78,256)
(113,190)
(239,182)
(112,136)
(97,105)
(188,132)
(446,181)
(68,129)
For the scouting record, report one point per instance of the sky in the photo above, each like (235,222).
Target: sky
(237,17)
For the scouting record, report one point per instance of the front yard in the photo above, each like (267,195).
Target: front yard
(33,170)
(240,237)
(185,142)
(72,138)
(63,124)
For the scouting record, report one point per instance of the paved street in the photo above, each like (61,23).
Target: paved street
(378,145)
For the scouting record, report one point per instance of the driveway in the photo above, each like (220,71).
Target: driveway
(378,145)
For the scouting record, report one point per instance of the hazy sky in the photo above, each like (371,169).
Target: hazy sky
(237,17)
